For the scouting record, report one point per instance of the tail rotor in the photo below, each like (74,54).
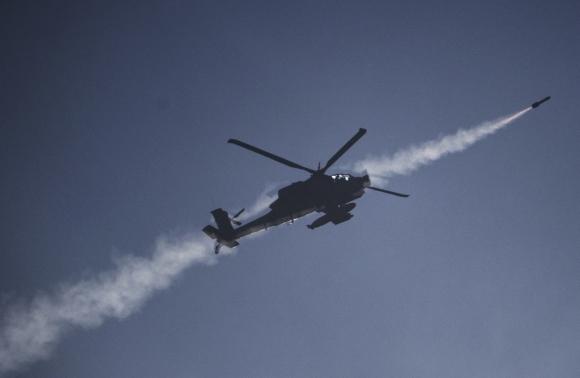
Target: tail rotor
(233,219)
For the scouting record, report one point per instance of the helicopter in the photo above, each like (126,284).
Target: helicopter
(328,194)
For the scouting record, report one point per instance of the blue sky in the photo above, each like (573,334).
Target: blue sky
(115,118)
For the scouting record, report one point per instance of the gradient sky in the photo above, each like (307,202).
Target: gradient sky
(115,117)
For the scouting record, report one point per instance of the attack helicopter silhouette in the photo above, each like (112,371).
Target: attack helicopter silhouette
(328,194)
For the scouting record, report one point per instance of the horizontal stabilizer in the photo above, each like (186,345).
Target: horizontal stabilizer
(230,243)
(211,231)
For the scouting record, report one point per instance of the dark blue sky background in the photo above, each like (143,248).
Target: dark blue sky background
(115,117)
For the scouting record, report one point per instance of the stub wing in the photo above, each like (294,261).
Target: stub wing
(336,215)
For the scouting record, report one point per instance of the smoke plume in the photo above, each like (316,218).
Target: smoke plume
(264,200)
(408,160)
(30,331)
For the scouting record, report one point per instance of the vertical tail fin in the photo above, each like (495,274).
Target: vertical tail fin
(222,219)
(224,234)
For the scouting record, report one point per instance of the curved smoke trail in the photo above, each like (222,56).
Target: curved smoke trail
(29,332)
(408,160)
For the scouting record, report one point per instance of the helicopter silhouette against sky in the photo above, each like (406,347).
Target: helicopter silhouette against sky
(328,194)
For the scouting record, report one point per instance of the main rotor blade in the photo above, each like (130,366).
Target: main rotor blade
(388,192)
(344,148)
(271,156)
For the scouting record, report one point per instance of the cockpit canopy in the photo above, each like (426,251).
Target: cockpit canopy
(341,176)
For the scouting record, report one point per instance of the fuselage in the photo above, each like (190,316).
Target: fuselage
(320,193)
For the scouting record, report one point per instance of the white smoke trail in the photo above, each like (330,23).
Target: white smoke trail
(262,203)
(408,160)
(30,331)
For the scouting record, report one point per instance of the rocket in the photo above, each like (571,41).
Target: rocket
(536,104)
